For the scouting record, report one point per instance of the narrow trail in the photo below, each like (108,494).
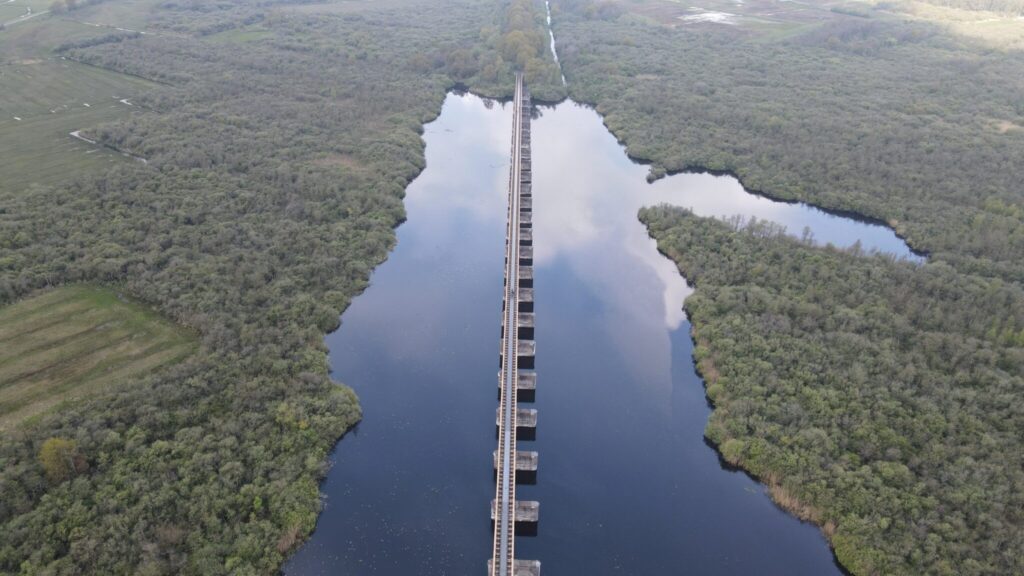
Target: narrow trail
(77,134)
(26,17)
(551,34)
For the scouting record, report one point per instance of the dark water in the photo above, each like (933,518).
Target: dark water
(626,483)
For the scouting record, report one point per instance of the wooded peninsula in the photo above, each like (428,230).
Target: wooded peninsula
(193,192)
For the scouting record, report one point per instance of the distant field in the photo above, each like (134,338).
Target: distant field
(770,16)
(44,98)
(130,14)
(53,98)
(9,12)
(998,30)
(779,19)
(13,10)
(70,342)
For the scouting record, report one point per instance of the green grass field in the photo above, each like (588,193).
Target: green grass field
(997,30)
(13,10)
(41,103)
(130,14)
(775,20)
(70,342)
(44,98)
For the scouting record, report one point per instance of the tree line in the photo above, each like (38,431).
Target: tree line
(880,399)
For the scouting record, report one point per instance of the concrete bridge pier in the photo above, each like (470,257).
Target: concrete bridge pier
(522,568)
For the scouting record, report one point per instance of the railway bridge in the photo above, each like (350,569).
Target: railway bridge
(516,380)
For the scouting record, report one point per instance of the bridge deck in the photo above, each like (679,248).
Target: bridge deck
(505,511)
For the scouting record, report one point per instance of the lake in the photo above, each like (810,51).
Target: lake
(625,482)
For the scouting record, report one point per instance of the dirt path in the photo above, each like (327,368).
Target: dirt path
(28,16)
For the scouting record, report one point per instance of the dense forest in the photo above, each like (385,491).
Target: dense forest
(518,40)
(880,399)
(895,120)
(278,148)
(876,398)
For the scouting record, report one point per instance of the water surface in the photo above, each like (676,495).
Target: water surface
(626,483)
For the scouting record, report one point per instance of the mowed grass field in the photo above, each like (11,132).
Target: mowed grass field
(41,104)
(774,20)
(43,98)
(68,343)
(13,10)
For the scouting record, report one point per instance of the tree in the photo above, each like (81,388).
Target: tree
(60,459)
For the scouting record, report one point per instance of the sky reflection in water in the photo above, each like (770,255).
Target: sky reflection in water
(592,184)
(626,484)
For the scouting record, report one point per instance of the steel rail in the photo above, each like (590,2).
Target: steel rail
(503,560)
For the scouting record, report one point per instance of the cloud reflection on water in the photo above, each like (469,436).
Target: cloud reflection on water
(589,192)
(626,480)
